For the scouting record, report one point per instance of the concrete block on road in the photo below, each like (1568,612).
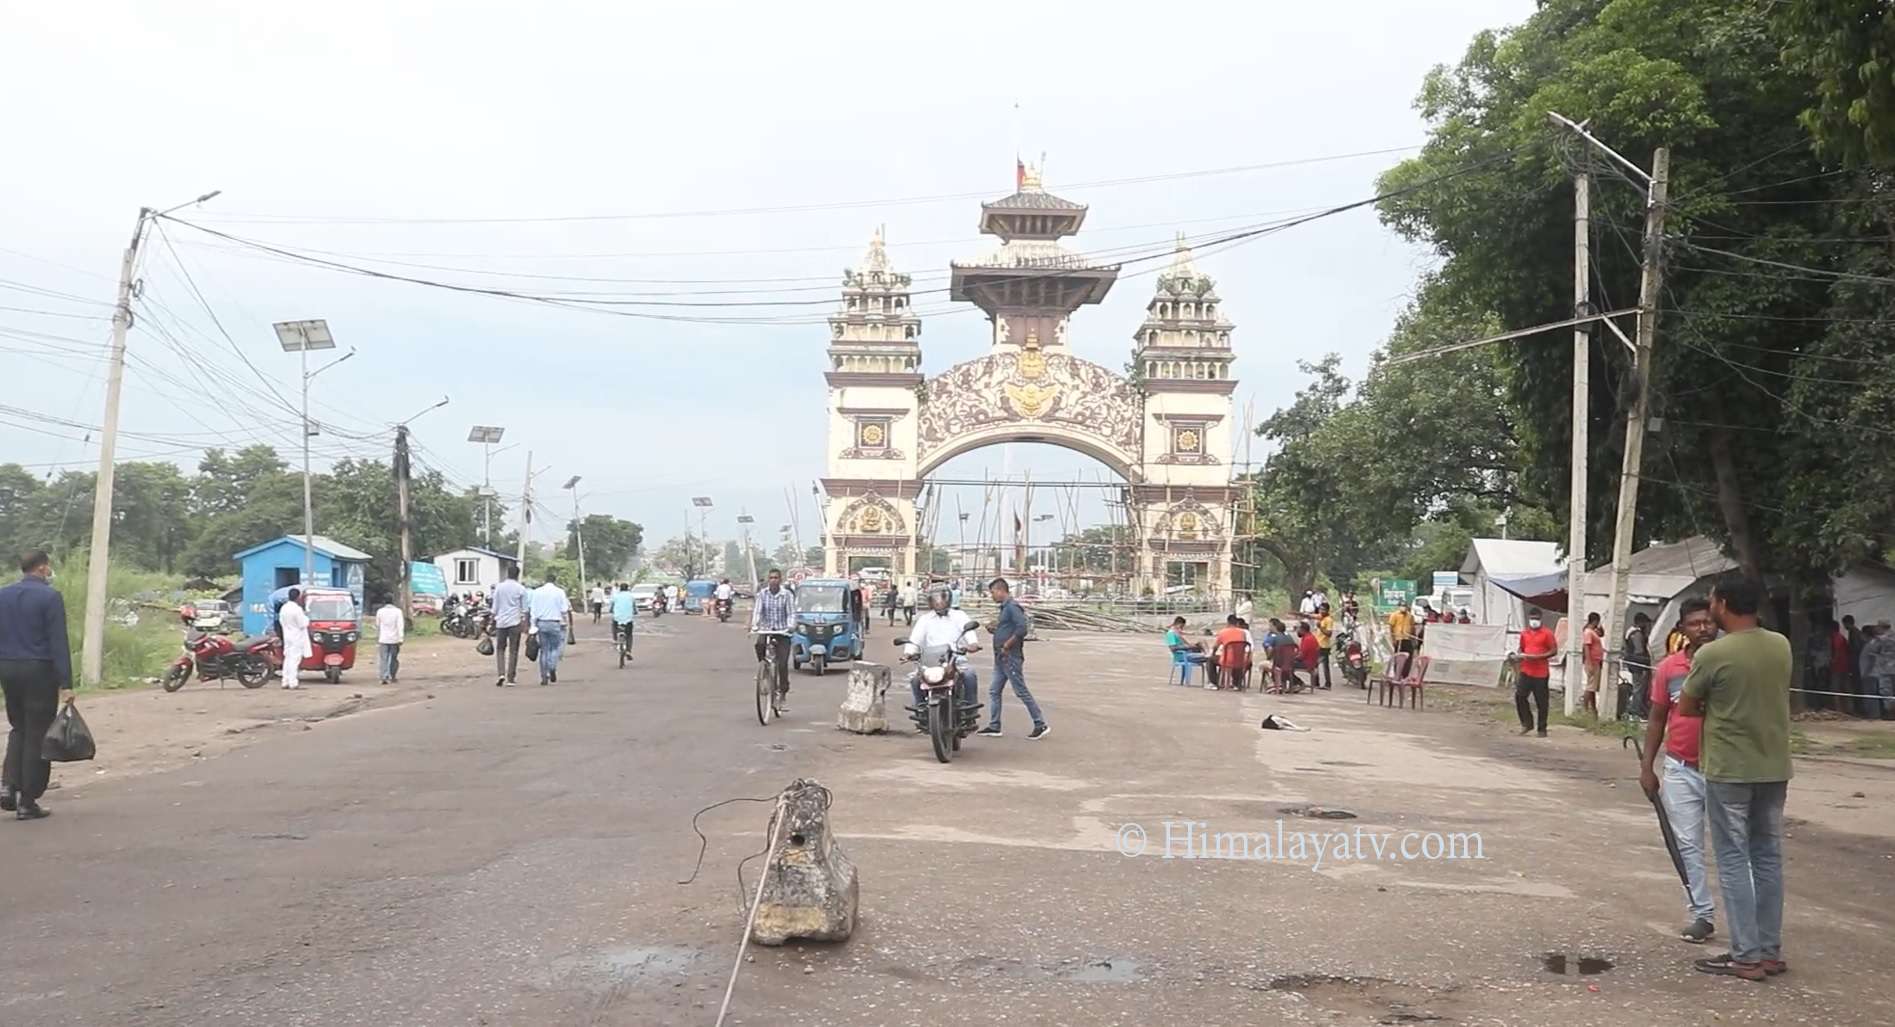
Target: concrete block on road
(864,709)
(809,886)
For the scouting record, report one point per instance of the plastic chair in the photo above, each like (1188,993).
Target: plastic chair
(1413,683)
(1382,686)
(1234,659)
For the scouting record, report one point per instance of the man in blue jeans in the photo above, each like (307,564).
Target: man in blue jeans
(1676,737)
(1009,664)
(1740,685)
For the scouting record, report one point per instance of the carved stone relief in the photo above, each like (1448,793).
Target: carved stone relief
(1032,387)
(871,515)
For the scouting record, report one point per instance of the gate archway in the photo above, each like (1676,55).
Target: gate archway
(1162,430)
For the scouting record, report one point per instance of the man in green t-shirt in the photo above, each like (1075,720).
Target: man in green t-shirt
(1740,685)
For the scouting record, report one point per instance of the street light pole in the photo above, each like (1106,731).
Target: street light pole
(703,504)
(750,556)
(486,435)
(300,337)
(578,539)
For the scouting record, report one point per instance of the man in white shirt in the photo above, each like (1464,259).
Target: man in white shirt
(597,598)
(940,627)
(510,626)
(1308,606)
(552,618)
(908,601)
(389,629)
(725,593)
(296,643)
(1244,607)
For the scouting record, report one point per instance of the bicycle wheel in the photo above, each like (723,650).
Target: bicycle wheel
(766,702)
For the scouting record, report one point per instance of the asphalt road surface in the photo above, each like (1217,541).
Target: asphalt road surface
(513,856)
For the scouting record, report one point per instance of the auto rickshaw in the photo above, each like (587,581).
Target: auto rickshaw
(335,625)
(828,624)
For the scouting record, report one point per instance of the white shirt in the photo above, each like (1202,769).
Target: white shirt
(548,602)
(597,595)
(933,630)
(1308,608)
(723,590)
(388,626)
(1321,599)
(295,622)
(1243,609)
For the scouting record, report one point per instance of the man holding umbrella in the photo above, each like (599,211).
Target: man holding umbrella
(1681,797)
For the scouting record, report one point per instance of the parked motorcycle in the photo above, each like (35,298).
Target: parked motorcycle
(946,720)
(250,661)
(1355,662)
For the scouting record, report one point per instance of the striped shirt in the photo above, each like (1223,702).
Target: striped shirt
(773,611)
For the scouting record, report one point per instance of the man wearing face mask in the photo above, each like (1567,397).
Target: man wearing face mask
(1537,646)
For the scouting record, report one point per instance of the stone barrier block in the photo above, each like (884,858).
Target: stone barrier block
(809,886)
(864,709)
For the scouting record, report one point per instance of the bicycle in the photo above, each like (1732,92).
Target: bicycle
(768,673)
(624,633)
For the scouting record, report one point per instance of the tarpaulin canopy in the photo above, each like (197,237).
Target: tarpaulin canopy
(1546,590)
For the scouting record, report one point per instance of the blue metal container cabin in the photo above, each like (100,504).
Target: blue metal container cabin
(826,616)
(279,564)
(697,594)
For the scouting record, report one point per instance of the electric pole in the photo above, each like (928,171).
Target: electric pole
(98,558)
(1638,418)
(578,539)
(404,595)
(1582,395)
(99,554)
(526,514)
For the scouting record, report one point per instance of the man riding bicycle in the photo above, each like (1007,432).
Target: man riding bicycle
(774,614)
(942,626)
(624,608)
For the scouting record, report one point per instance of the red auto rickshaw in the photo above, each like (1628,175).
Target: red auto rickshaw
(335,625)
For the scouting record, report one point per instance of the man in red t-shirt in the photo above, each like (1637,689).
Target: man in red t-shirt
(1683,789)
(1537,646)
(1308,651)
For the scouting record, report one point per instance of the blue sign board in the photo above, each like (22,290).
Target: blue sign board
(425,579)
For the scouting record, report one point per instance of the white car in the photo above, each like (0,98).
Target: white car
(644,595)
(213,615)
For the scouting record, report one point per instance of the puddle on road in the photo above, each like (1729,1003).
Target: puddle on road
(615,965)
(1570,964)
(1116,970)
(1381,1001)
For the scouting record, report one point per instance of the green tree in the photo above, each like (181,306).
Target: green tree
(1848,48)
(610,543)
(1740,457)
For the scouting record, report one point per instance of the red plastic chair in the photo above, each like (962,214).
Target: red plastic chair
(1383,685)
(1412,684)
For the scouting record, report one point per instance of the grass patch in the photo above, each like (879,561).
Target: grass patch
(1556,717)
(132,652)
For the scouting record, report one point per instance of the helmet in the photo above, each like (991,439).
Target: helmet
(187,614)
(940,591)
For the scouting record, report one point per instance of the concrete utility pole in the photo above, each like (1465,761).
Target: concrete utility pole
(578,538)
(526,514)
(99,555)
(1582,395)
(750,555)
(403,593)
(1638,418)
(98,560)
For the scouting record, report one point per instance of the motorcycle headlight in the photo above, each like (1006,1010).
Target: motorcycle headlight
(934,675)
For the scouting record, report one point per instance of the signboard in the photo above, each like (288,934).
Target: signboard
(1395,592)
(425,579)
(1444,580)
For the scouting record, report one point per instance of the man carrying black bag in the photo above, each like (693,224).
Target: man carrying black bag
(36,675)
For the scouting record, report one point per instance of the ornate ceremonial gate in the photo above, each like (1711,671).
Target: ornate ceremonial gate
(890,427)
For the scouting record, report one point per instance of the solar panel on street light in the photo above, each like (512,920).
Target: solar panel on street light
(574,480)
(486,434)
(303,336)
(701,501)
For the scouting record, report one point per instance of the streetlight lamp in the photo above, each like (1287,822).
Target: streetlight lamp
(487,436)
(703,504)
(750,556)
(1041,519)
(578,541)
(302,337)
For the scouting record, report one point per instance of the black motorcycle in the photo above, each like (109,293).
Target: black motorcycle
(945,719)
(723,611)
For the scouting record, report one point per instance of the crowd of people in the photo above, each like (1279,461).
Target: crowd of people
(1283,653)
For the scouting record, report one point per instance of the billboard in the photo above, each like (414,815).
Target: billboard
(1444,580)
(425,579)
(1391,593)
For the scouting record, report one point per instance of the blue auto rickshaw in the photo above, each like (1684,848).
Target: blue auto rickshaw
(697,596)
(828,619)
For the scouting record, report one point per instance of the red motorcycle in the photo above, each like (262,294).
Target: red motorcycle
(251,661)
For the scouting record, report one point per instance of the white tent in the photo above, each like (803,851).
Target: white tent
(1867,593)
(1660,578)
(1490,558)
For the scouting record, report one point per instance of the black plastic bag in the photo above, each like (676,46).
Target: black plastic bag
(68,740)
(485,646)
(532,646)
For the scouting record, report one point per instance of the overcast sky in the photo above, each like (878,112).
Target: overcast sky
(645,154)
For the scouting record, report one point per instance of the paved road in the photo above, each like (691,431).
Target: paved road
(511,856)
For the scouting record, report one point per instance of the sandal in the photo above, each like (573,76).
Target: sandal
(1729,967)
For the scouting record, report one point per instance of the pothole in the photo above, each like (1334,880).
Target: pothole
(1316,812)
(1118,969)
(1378,1000)
(1571,964)
(615,965)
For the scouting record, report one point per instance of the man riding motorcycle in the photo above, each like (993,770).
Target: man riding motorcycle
(724,594)
(940,627)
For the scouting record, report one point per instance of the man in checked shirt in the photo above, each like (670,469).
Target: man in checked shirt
(773,613)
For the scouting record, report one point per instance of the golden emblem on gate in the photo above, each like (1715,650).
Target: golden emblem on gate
(1032,360)
(1187,525)
(1031,400)
(872,521)
(872,435)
